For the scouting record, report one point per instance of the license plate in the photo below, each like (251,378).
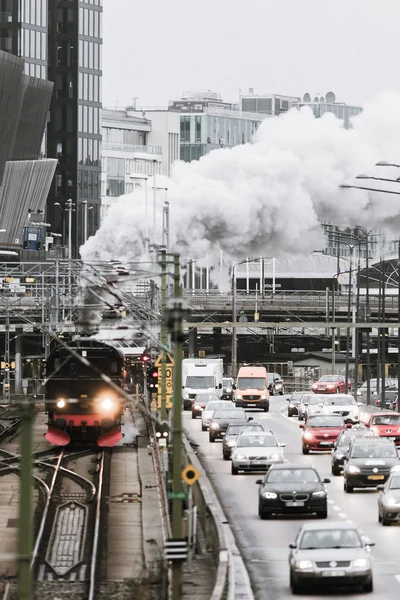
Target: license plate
(333,573)
(294,503)
(251,404)
(326,444)
(376,477)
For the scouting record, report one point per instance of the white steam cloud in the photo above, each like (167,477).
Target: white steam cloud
(269,197)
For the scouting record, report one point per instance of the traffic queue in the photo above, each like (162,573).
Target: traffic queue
(363,447)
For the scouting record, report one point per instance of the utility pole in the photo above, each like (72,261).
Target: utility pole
(25,535)
(368,332)
(6,391)
(175,321)
(163,337)
(398,317)
(383,337)
(234,332)
(349,318)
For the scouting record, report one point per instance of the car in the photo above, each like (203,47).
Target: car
(313,405)
(221,420)
(373,386)
(228,386)
(386,425)
(292,489)
(294,401)
(208,411)
(256,451)
(342,445)
(330,384)
(389,500)
(330,554)
(304,402)
(342,404)
(391,400)
(232,434)
(321,432)
(275,384)
(368,463)
(200,402)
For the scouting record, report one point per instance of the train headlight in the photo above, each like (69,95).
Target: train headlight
(106,404)
(60,403)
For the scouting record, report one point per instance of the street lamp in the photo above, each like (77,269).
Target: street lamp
(144,178)
(363,176)
(385,163)
(86,208)
(346,186)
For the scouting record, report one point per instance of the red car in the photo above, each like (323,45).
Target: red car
(386,425)
(330,384)
(321,432)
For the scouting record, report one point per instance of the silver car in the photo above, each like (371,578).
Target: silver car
(208,411)
(389,500)
(330,554)
(256,451)
(304,402)
(390,384)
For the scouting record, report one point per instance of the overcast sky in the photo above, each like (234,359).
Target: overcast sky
(156,49)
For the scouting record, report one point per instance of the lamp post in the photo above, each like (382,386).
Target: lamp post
(157,188)
(86,208)
(69,208)
(146,218)
(63,225)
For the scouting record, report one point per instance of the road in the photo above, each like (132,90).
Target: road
(264,544)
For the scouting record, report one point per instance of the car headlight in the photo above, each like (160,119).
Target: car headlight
(302,565)
(395,469)
(197,407)
(231,444)
(360,563)
(354,469)
(269,495)
(239,397)
(106,404)
(308,435)
(263,397)
(228,390)
(240,457)
(358,393)
(339,455)
(275,457)
(319,494)
(374,429)
(391,502)
(214,426)
(61,404)
(186,396)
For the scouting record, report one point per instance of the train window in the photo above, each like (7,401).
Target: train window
(114,366)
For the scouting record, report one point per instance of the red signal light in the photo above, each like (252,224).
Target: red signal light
(145,358)
(154,374)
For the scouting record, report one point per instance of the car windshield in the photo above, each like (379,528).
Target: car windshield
(214,405)
(373,451)
(245,383)
(257,441)
(206,398)
(394,483)
(298,395)
(313,400)
(229,414)
(227,383)
(328,421)
(293,476)
(386,420)
(330,538)
(372,384)
(345,439)
(199,382)
(340,401)
(236,429)
(329,378)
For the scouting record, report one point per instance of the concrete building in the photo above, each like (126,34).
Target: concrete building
(165,132)
(267,104)
(321,105)
(208,123)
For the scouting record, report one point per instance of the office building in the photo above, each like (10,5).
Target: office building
(73,134)
(208,123)
(267,104)
(327,104)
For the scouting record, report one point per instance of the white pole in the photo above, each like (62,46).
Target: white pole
(220,267)
(261,274)
(190,528)
(69,229)
(154,204)
(85,221)
(247,276)
(273,275)
(193,276)
(146,206)
(207,279)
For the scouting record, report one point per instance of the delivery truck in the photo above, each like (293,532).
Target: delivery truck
(200,375)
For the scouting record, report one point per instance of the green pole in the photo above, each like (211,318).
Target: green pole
(164,336)
(25,504)
(177,332)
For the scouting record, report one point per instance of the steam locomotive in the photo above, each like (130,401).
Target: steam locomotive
(82,406)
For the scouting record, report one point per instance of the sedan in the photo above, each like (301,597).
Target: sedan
(368,463)
(330,384)
(314,405)
(292,489)
(321,432)
(305,401)
(332,554)
(200,402)
(209,410)
(342,446)
(342,404)
(389,500)
(232,434)
(275,384)
(221,420)
(294,401)
(386,425)
(256,451)
(227,388)
(391,400)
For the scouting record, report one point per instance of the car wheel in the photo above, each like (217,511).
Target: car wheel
(379,518)
(323,514)
(226,456)
(335,471)
(273,392)
(266,409)
(203,428)
(194,416)
(262,514)
(305,451)
(234,470)
(385,521)
(368,587)
(211,438)
(282,391)
(348,488)
(297,589)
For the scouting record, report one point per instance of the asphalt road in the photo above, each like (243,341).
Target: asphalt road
(264,544)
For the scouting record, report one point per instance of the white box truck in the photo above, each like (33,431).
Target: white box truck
(201,375)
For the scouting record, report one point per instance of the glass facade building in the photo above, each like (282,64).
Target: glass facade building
(23,32)
(74,130)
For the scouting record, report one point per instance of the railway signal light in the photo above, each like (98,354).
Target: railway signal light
(152,378)
(145,358)
(162,433)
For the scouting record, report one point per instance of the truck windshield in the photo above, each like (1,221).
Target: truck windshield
(245,383)
(198,382)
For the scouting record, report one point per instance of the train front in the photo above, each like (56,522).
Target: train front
(81,406)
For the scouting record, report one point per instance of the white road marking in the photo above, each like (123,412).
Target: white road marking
(349,521)
(330,501)
(336,508)
(342,515)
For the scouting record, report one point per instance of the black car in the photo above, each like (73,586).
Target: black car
(227,388)
(342,445)
(275,384)
(232,433)
(292,488)
(294,401)
(221,420)
(368,463)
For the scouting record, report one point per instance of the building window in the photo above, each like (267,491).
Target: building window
(115,167)
(115,187)
(198,129)
(185,129)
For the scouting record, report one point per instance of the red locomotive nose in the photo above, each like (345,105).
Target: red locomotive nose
(57,436)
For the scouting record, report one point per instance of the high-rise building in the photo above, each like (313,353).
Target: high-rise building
(74,129)
(23,32)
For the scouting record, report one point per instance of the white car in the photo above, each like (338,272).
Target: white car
(208,411)
(315,404)
(304,402)
(256,451)
(342,404)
